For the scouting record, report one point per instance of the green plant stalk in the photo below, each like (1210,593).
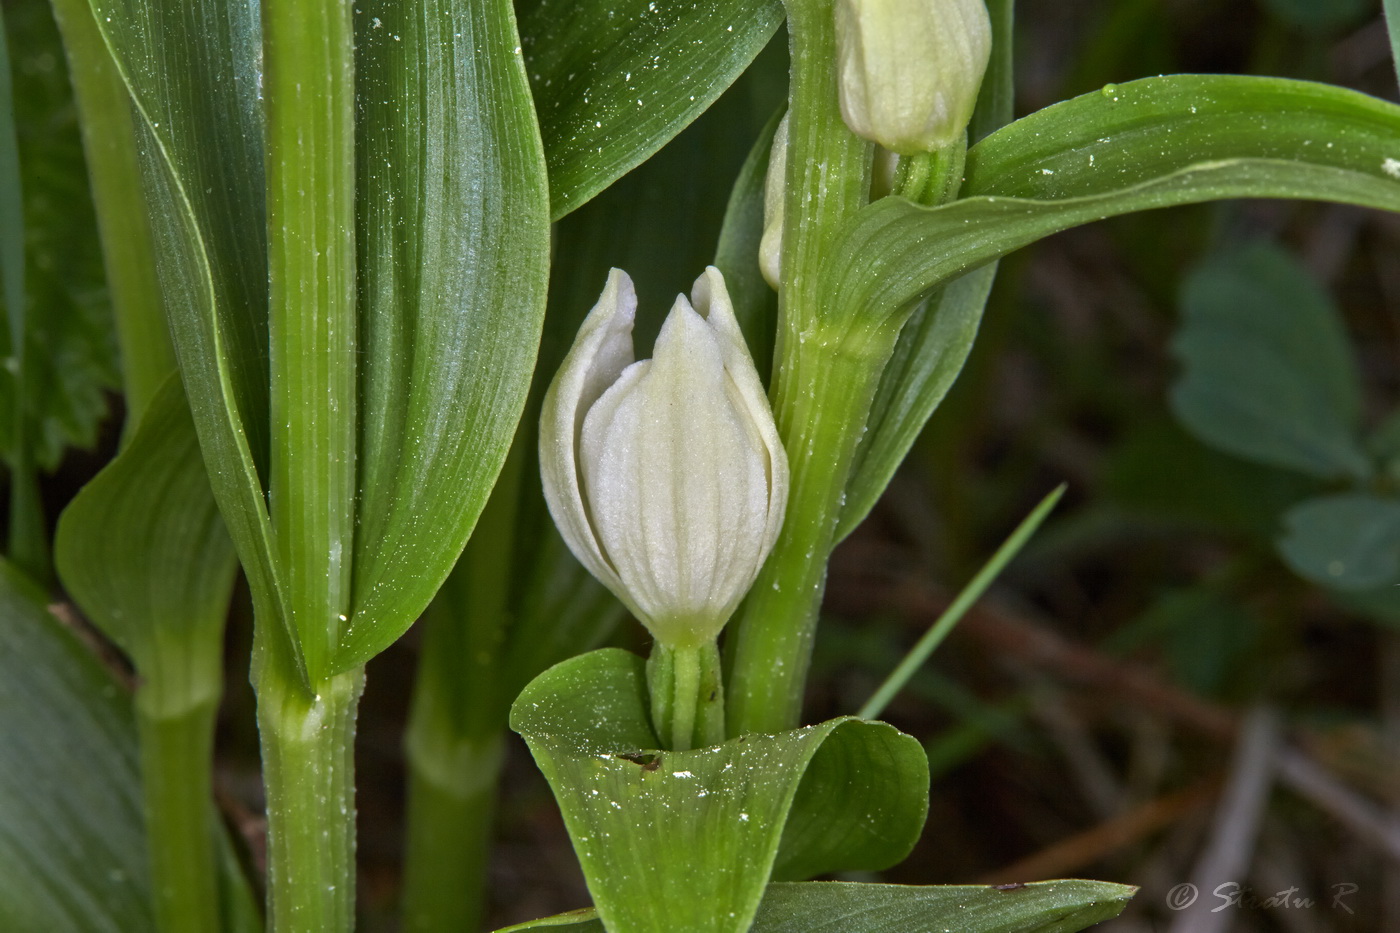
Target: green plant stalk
(451,813)
(687,699)
(824,395)
(825,381)
(114,173)
(306,714)
(177,778)
(458,720)
(309,106)
(307,739)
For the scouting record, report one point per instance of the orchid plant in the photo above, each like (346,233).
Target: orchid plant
(327,239)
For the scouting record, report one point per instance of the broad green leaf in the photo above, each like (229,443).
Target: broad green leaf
(1267,369)
(72,837)
(614,80)
(193,70)
(1152,143)
(71,834)
(688,839)
(142,550)
(1348,542)
(930,353)
(454,241)
(843,907)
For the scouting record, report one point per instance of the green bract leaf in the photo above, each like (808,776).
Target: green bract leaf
(837,907)
(1152,143)
(71,834)
(1348,542)
(453,240)
(687,839)
(454,245)
(1268,372)
(143,552)
(192,67)
(615,79)
(930,353)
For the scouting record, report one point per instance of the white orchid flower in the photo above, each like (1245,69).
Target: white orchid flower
(666,476)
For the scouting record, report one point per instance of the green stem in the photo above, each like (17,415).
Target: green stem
(128,248)
(458,721)
(177,776)
(687,699)
(823,397)
(823,387)
(828,168)
(308,742)
(28,544)
(451,811)
(309,105)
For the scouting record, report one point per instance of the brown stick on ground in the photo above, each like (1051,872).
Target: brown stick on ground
(1069,855)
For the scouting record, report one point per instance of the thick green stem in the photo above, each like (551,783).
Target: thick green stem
(309,105)
(687,698)
(827,373)
(823,399)
(458,722)
(828,169)
(308,740)
(177,776)
(451,812)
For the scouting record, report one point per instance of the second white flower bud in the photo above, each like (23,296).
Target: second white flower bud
(910,70)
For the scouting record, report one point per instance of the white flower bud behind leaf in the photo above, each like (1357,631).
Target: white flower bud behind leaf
(910,70)
(669,484)
(770,247)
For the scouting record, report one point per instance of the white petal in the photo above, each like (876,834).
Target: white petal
(712,300)
(601,351)
(677,482)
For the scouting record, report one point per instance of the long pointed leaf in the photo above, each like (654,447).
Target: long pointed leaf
(143,551)
(1152,143)
(192,67)
(843,907)
(454,241)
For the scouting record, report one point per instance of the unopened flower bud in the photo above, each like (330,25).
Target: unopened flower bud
(910,69)
(666,476)
(770,247)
